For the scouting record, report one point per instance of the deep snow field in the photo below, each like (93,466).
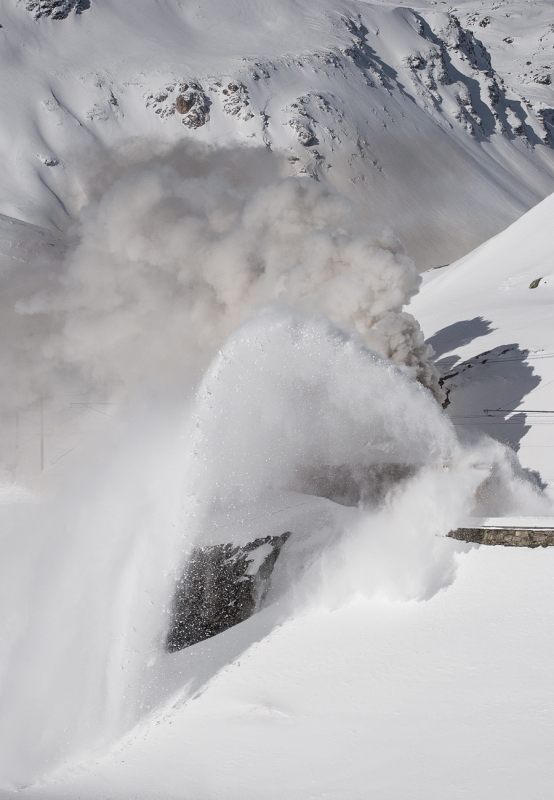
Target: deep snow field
(213,220)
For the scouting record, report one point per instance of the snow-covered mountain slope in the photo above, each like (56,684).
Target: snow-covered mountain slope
(489,318)
(23,243)
(437,121)
(388,660)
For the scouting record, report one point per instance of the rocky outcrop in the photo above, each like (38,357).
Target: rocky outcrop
(546,117)
(302,122)
(193,104)
(187,99)
(234,99)
(222,585)
(56,9)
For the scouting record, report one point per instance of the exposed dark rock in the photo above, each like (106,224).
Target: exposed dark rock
(187,98)
(184,103)
(483,106)
(222,585)
(546,118)
(235,99)
(304,132)
(194,105)
(508,537)
(57,9)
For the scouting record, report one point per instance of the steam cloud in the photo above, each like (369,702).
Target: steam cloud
(173,252)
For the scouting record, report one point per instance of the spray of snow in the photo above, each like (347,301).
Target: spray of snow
(290,398)
(172,255)
(294,402)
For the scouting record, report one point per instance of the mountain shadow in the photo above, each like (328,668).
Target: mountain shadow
(484,393)
(459,334)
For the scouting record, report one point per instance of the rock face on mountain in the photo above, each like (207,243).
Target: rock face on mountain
(187,99)
(222,585)
(56,9)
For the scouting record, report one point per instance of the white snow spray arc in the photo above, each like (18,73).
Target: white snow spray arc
(186,263)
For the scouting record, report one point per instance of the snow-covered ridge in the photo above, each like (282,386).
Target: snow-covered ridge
(449,72)
(419,114)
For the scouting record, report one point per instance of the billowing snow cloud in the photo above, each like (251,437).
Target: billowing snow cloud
(174,251)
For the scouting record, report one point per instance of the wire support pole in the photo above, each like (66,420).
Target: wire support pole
(42,434)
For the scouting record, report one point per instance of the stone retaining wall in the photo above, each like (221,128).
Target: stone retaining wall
(509,537)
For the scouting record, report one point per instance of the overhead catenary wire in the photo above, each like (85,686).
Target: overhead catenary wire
(475,360)
(503,411)
(501,422)
(77,409)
